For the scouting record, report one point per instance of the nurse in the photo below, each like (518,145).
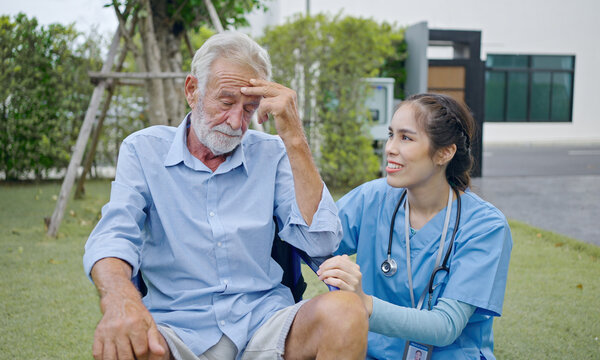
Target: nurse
(407,225)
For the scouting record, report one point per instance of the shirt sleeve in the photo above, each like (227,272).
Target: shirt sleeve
(120,230)
(351,208)
(322,237)
(439,327)
(479,265)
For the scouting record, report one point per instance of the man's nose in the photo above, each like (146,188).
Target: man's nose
(236,117)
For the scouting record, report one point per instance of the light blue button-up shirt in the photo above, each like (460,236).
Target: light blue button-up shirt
(203,239)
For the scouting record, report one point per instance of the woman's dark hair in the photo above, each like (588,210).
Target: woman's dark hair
(446,122)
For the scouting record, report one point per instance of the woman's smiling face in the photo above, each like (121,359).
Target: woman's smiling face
(408,151)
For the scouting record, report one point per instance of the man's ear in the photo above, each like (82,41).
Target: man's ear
(191,90)
(444,155)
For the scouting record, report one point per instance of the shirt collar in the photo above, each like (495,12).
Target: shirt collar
(179,152)
(179,145)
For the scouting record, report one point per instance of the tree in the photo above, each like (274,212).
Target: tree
(394,65)
(326,59)
(45,90)
(163,26)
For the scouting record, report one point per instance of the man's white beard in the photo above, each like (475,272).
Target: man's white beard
(214,138)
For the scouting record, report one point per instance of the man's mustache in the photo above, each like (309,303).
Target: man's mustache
(227,130)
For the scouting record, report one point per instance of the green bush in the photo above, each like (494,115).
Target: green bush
(325,59)
(44,94)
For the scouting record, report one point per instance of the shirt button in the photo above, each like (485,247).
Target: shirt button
(222,323)
(212,213)
(219,244)
(226,281)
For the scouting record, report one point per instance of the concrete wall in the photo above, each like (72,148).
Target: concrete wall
(532,27)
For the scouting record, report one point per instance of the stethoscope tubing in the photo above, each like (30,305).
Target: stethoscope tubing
(444,266)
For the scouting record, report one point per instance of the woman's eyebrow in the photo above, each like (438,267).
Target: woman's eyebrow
(402,130)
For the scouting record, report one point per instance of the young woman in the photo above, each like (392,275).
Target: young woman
(432,257)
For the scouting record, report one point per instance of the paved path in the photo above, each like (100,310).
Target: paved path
(555,188)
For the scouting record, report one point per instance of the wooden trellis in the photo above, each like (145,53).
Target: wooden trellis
(107,81)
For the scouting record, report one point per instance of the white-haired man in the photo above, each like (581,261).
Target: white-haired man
(192,208)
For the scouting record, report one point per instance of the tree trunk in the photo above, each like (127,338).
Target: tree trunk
(169,39)
(156,94)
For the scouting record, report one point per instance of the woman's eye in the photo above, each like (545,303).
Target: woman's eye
(390,134)
(404,137)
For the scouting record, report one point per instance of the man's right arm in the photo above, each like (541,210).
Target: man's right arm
(126,327)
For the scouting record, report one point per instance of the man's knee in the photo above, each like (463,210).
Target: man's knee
(332,325)
(344,311)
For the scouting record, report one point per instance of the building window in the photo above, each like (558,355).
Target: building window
(529,88)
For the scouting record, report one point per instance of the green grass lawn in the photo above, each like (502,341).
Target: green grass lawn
(49,309)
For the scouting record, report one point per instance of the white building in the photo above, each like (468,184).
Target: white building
(535,52)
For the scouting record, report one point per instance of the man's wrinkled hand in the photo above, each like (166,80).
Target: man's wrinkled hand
(127,331)
(280,102)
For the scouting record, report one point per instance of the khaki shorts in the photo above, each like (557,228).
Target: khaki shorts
(267,343)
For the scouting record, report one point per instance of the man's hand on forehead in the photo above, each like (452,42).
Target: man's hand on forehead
(277,99)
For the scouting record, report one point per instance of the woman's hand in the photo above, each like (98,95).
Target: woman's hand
(343,273)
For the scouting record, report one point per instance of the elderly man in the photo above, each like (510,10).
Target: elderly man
(192,208)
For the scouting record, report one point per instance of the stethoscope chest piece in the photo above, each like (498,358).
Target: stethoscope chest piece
(389,267)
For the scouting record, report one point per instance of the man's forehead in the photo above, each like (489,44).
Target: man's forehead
(230,69)
(229,83)
(235,93)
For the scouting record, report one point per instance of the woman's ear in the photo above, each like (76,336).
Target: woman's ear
(444,155)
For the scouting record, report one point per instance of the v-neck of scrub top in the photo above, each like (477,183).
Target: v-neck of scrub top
(432,230)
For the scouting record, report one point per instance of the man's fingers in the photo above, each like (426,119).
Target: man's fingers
(262,112)
(262,88)
(97,349)
(124,350)
(156,346)
(260,82)
(266,88)
(109,352)
(139,343)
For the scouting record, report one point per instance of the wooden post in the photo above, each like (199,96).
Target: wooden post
(214,17)
(89,159)
(84,134)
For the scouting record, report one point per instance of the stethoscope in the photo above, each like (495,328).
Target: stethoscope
(389,266)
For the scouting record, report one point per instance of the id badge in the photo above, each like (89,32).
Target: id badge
(417,351)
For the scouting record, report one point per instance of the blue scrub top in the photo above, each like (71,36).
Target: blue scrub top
(478,263)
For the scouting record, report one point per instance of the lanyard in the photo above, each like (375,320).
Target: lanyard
(440,249)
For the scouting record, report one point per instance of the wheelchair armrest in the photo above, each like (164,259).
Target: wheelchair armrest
(314,263)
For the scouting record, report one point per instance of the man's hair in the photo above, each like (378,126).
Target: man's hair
(233,46)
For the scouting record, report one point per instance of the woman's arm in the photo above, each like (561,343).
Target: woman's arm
(438,327)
